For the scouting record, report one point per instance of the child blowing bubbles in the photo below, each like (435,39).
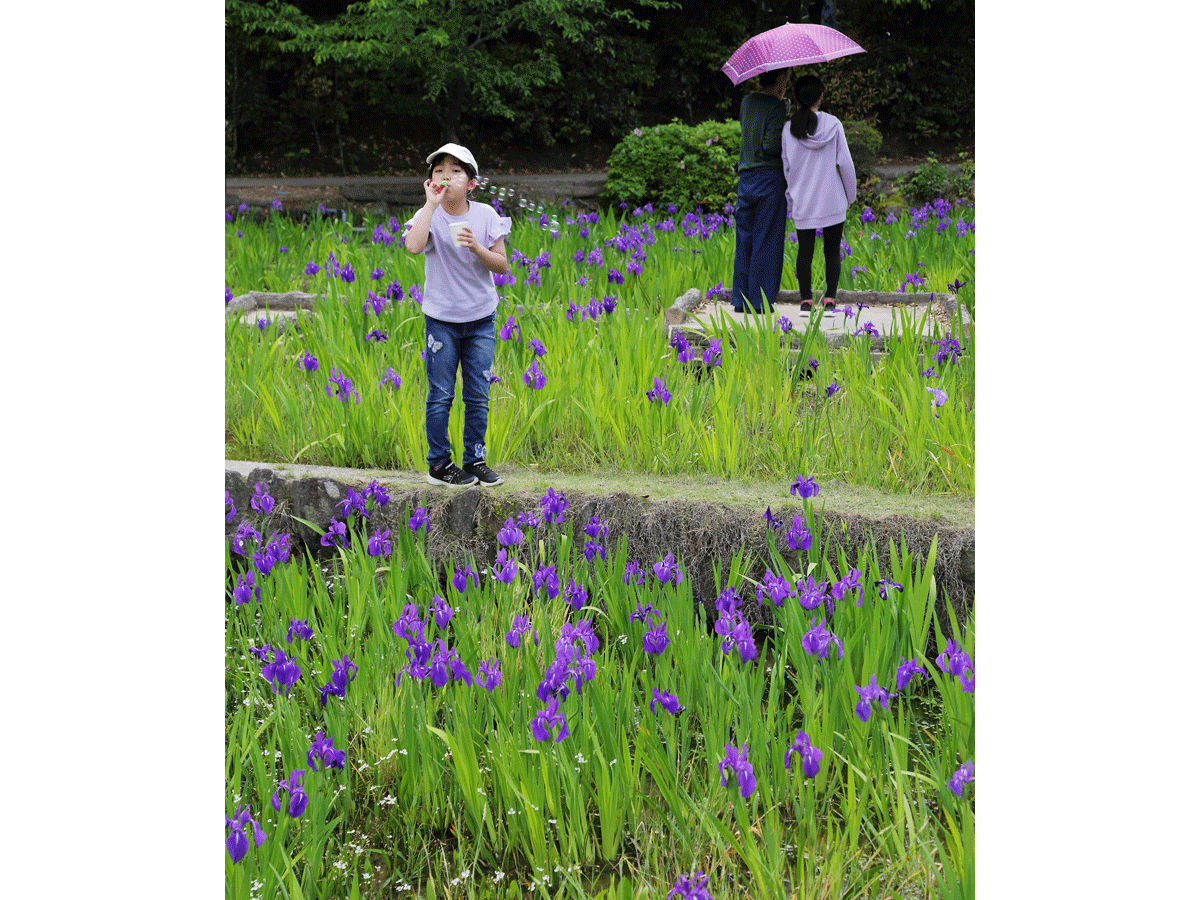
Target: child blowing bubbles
(460,303)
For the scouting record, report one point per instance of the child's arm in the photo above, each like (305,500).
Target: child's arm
(418,234)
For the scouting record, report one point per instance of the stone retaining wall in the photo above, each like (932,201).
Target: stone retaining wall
(700,533)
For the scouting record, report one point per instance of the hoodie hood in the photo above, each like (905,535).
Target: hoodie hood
(827,130)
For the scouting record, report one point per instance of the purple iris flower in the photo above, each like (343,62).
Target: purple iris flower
(739,762)
(596,528)
(246,588)
(634,573)
(798,536)
(693,888)
(810,754)
(818,639)
(658,392)
(488,676)
(308,362)
(736,630)
(777,588)
(655,640)
(354,503)
(282,673)
(668,702)
(378,544)
(712,355)
(459,581)
(868,693)
(804,487)
(554,508)
(537,347)
(884,585)
(644,612)
(783,323)
(505,569)
(262,502)
(377,336)
(312,268)
(300,630)
(576,595)
(811,593)
(419,519)
(336,535)
(340,387)
(664,568)
(772,522)
(510,330)
(230,509)
(608,304)
(262,654)
(236,842)
(591,549)
(957,662)
(535,377)
(323,751)
(443,612)
(509,535)
(939,398)
(409,622)
(833,388)
(948,349)
(868,329)
(375,304)
(546,577)
(348,273)
(847,586)
(686,354)
(297,799)
(868,215)
(615,276)
(960,779)
(549,718)
(377,492)
(906,670)
(520,625)
(343,673)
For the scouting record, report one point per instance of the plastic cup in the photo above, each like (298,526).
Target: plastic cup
(456,233)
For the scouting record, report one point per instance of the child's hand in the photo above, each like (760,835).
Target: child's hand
(466,239)
(433,192)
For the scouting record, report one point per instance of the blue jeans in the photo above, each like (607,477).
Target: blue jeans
(758,250)
(450,346)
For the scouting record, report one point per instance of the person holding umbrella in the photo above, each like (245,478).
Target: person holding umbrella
(761,204)
(820,187)
(755,272)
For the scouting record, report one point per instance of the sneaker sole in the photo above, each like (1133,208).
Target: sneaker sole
(437,482)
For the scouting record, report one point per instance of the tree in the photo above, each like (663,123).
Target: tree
(454,49)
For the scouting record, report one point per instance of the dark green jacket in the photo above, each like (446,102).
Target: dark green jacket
(762,119)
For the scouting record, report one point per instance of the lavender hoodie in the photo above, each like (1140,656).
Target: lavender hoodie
(819,173)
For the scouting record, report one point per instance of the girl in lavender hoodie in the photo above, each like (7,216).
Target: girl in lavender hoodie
(820,186)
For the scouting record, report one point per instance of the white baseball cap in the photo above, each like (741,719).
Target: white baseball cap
(458,151)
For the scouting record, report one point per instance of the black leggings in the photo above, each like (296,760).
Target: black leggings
(831,243)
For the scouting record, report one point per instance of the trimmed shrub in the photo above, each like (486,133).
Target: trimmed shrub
(676,163)
(932,179)
(864,142)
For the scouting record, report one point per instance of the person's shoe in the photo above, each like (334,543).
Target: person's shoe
(830,306)
(805,305)
(482,471)
(450,475)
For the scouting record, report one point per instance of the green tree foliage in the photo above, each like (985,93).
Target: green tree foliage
(461,52)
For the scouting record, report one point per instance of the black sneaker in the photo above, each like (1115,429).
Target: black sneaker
(450,475)
(482,471)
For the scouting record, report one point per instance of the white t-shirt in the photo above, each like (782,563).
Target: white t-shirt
(458,286)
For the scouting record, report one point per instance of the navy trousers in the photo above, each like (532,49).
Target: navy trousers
(758,252)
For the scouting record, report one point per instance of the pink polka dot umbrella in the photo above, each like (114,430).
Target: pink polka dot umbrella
(786,46)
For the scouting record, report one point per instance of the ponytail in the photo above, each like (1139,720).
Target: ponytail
(808,91)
